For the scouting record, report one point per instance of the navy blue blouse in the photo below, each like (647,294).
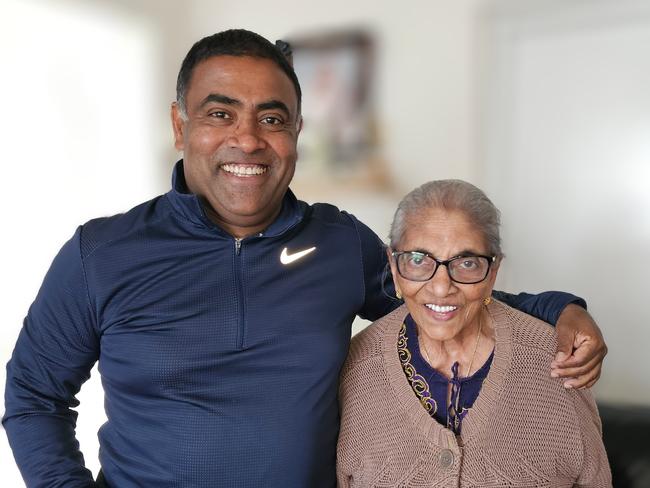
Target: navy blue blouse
(431,386)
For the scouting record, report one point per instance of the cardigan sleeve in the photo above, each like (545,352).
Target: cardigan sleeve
(347,458)
(342,479)
(343,460)
(595,471)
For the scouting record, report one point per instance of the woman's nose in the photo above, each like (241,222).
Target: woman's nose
(440,283)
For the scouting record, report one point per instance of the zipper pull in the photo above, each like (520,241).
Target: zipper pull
(237,246)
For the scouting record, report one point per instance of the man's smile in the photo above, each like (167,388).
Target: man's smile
(244,169)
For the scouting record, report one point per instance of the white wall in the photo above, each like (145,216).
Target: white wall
(567,144)
(78,128)
(424,74)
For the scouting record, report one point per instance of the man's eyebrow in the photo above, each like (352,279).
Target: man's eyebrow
(274,104)
(226,100)
(219,98)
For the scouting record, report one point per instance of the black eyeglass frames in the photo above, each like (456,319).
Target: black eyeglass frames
(466,269)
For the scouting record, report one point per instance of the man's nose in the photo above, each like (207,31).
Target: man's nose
(246,136)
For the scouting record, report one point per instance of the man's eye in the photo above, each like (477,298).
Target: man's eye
(416,259)
(218,114)
(271,120)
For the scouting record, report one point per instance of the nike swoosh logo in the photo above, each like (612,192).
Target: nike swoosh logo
(286,258)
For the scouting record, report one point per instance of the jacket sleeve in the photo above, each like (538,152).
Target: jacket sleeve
(595,472)
(379,291)
(546,306)
(54,354)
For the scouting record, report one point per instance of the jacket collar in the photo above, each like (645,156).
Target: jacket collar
(189,207)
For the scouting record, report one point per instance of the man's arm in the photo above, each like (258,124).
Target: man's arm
(379,290)
(546,306)
(54,354)
(581,347)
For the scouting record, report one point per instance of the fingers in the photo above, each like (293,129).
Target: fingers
(583,368)
(562,371)
(565,341)
(585,381)
(580,351)
(575,327)
(583,350)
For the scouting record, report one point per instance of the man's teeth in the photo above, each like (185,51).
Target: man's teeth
(241,170)
(441,308)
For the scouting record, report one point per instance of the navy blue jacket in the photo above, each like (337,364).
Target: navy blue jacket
(219,363)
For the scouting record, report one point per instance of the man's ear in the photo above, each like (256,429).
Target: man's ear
(299,125)
(178,125)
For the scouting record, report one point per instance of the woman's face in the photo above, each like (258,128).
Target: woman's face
(443,309)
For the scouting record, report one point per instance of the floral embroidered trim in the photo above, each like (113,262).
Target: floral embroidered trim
(418,383)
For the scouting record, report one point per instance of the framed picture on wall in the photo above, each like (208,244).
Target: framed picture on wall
(339,142)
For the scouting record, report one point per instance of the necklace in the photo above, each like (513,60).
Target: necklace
(426,353)
(478,340)
(454,417)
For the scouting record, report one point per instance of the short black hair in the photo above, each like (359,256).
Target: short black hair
(235,42)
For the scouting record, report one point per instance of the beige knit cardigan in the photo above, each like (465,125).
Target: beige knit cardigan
(524,430)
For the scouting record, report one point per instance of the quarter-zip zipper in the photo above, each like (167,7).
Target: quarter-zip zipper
(241,302)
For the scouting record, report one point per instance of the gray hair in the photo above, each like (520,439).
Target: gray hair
(450,195)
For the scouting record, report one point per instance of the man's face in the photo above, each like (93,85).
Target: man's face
(239,140)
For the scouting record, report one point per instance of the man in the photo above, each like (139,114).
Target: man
(219,312)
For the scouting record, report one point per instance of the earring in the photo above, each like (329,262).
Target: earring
(398,294)
(487,301)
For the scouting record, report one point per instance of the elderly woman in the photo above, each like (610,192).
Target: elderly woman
(452,389)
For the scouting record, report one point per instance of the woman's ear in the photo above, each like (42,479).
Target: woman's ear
(494,270)
(393,271)
(391,261)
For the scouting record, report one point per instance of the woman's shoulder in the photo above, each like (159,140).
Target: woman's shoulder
(371,341)
(524,330)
